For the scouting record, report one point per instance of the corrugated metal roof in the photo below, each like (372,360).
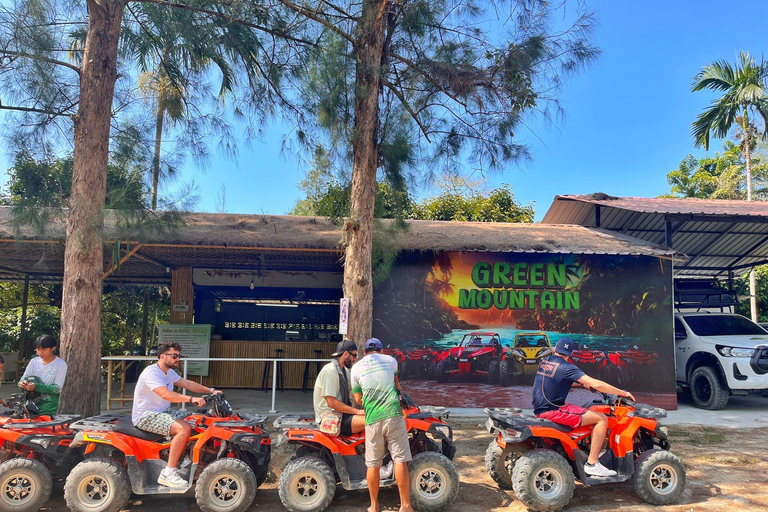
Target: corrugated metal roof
(719,236)
(288,242)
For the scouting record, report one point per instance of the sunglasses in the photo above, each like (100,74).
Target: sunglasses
(175,356)
(353,354)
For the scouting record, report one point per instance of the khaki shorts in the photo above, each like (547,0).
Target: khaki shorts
(389,434)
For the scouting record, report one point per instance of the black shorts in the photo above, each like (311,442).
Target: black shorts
(346,424)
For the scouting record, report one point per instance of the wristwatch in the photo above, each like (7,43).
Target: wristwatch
(212,390)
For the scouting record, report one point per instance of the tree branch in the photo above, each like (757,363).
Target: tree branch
(330,26)
(407,107)
(41,58)
(34,110)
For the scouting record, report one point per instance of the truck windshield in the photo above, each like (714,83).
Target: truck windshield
(717,325)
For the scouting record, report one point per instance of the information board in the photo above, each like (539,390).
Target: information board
(195,341)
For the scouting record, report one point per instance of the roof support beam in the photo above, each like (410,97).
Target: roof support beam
(717,239)
(745,219)
(748,253)
(597,215)
(122,260)
(154,261)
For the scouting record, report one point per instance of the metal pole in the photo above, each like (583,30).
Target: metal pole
(109,384)
(274,384)
(184,391)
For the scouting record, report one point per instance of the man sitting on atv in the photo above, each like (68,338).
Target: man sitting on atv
(152,400)
(332,391)
(44,376)
(554,378)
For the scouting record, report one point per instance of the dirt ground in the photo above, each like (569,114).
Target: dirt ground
(726,471)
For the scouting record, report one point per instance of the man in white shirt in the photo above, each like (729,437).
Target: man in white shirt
(45,375)
(152,400)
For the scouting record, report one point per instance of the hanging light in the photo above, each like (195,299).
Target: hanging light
(252,285)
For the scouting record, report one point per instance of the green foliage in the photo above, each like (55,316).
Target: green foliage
(720,176)
(499,206)
(41,317)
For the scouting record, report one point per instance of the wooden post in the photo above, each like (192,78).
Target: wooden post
(145,320)
(24,302)
(182,293)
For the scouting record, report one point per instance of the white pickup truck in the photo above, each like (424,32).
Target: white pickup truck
(719,355)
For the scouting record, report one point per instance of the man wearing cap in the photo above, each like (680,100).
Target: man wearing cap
(376,386)
(332,389)
(554,378)
(45,375)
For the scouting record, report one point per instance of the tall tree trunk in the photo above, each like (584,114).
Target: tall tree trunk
(358,279)
(83,257)
(158,142)
(748,159)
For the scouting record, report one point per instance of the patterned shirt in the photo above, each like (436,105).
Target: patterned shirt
(374,377)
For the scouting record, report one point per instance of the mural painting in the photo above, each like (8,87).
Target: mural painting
(469,328)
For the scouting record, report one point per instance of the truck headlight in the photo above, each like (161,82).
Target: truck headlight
(735,351)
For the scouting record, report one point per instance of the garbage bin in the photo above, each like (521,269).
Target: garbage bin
(132,373)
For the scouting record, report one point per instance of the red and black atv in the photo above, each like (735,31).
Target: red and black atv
(541,460)
(419,363)
(227,457)
(35,451)
(321,461)
(623,367)
(397,354)
(591,362)
(478,353)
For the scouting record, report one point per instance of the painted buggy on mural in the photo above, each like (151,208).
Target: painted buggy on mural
(420,363)
(520,361)
(478,354)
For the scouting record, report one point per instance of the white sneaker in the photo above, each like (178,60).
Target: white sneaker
(169,477)
(386,471)
(598,470)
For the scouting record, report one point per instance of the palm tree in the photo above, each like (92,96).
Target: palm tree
(744,99)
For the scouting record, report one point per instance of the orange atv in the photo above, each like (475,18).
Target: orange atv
(308,482)
(227,456)
(540,459)
(35,450)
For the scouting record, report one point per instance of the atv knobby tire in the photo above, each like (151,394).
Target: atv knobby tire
(307,485)
(659,477)
(506,373)
(622,377)
(432,370)
(707,390)
(492,377)
(99,484)
(543,480)
(25,484)
(501,462)
(226,485)
(434,482)
(441,372)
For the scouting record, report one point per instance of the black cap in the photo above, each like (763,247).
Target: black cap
(344,346)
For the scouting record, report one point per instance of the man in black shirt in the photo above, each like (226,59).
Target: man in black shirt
(553,382)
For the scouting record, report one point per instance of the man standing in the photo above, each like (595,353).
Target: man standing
(376,386)
(152,400)
(45,375)
(553,382)
(332,389)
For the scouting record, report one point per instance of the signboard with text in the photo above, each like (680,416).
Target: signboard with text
(195,341)
(343,316)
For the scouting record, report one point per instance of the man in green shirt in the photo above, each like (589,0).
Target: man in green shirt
(376,386)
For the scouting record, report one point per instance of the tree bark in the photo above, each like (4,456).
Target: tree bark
(358,278)
(83,256)
(156,157)
(748,160)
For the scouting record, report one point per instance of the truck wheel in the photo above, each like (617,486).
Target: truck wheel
(99,484)
(434,482)
(441,372)
(659,477)
(226,485)
(25,484)
(543,480)
(492,377)
(706,389)
(501,462)
(505,379)
(307,485)
(432,370)
(405,370)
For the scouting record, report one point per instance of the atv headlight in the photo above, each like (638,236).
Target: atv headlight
(735,351)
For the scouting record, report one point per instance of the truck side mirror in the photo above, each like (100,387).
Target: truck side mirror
(680,336)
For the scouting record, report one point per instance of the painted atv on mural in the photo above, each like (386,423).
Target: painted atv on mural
(478,353)
(625,366)
(397,354)
(521,361)
(420,364)
(590,361)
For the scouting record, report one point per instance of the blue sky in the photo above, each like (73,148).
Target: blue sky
(627,118)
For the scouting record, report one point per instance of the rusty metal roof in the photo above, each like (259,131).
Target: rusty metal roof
(284,243)
(719,237)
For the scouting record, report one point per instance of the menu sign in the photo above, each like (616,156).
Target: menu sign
(195,341)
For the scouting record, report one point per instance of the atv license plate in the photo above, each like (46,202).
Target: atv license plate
(530,361)
(463,360)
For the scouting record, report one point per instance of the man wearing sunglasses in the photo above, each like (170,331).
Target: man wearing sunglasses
(152,400)
(332,390)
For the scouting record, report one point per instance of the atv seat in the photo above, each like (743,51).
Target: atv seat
(126,426)
(516,419)
(115,423)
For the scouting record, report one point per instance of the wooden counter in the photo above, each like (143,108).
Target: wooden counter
(239,374)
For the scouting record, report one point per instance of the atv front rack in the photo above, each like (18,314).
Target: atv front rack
(103,423)
(247,421)
(61,420)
